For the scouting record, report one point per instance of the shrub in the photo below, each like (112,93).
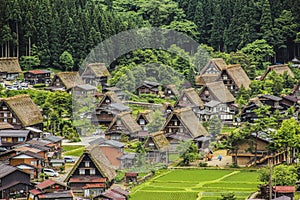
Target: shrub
(39,85)
(202,164)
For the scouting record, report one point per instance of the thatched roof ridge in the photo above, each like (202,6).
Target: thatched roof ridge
(278,69)
(10,65)
(25,109)
(238,75)
(70,79)
(220,92)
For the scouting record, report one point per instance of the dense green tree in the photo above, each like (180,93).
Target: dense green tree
(215,127)
(66,61)
(157,122)
(188,151)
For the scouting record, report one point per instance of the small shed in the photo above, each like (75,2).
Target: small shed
(288,191)
(131,176)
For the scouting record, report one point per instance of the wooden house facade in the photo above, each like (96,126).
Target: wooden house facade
(37,77)
(108,107)
(170,91)
(217,101)
(20,112)
(14,182)
(10,68)
(95,74)
(122,124)
(10,138)
(148,87)
(92,174)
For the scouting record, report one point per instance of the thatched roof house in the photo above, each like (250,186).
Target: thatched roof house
(157,141)
(216,91)
(189,98)
(95,74)
(171,91)
(123,123)
(100,165)
(65,81)
(214,66)
(182,124)
(23,110)
(278,69)
(9,67)
(238,76)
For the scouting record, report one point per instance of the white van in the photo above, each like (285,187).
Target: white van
(50,172)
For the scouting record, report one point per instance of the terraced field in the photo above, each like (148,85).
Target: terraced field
(200,184)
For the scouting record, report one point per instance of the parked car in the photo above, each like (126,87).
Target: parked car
(50,172)
(69,159)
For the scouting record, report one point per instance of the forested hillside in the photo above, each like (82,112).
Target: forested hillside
(44,29)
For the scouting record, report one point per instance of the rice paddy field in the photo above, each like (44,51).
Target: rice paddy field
(200,184)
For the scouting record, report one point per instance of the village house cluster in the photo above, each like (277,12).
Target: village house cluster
(26,150)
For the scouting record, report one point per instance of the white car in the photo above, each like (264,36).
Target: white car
(69,159)
(50,172)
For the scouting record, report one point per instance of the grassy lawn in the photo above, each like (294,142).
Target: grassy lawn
(201,184)
(227,129)
(76,150)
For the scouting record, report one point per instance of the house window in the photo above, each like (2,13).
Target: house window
(5,114)
(33,162)
(20,139)
(5,119)
(224,77)
(3,139)
(107,101)
(87,164)
(14,120)
(184,98)
(175,123)
(181,130)
(170,130)
(151,144)
(142,122)
(169,92)
(4,108)
(118,122)
(82,171)
(92,171)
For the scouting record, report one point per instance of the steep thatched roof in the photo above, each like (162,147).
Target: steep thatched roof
(219,92)
(160,140)
(219,63)
(25,109)
(238,75)
(278,69)
(99,159)
(189,120)
(192,96)
(146,114)
(98,69)
(10,65)
(112,96)
(173,89)
(127,120)
(69,79)
(205,78)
